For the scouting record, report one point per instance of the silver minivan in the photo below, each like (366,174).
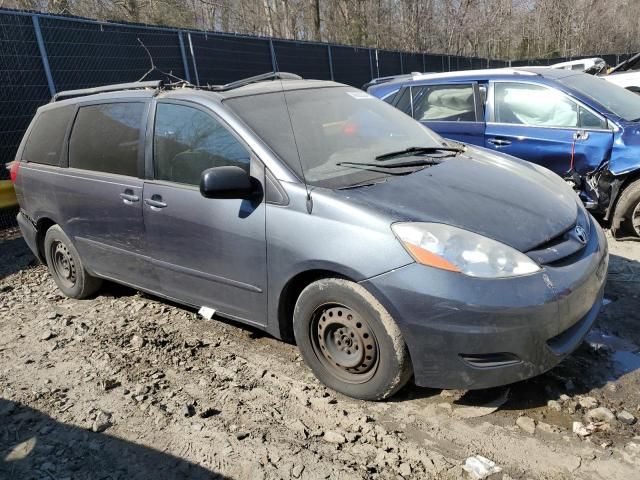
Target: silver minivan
(320,214)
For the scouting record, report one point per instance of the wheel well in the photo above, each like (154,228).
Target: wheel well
(615,219)
(42,226)
(290,294)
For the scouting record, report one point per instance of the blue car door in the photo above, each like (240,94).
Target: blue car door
(543,125)
(454,110)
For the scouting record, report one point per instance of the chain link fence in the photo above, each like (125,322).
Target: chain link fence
(44,54)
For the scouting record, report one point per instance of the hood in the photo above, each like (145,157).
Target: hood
(514,202)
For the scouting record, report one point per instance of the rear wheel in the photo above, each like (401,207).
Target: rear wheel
(66,267)
(350,341)
(626,219)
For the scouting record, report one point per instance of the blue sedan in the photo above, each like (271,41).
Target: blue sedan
(579,126)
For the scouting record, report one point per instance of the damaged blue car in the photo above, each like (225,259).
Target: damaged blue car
(579,126)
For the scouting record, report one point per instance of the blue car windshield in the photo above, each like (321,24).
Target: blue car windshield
(336,130)
(619,101)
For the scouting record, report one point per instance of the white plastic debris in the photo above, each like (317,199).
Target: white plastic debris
(606,301)
(582,431)
(206,312)
(479,467)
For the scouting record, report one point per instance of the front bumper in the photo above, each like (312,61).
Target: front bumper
(472,333)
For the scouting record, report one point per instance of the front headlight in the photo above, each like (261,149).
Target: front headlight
(451,248)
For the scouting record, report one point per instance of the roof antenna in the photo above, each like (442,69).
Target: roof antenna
(156,69)
(306,186)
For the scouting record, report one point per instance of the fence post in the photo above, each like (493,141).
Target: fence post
(274,59)
(377,64)
(183,54)
(371,65)
(330,61)
(401,64)
(193,58)
(43,54)
(424,64)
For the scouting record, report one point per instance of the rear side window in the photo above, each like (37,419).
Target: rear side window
(444,103)
(187,141)
(402,100)
(390,97)
(45,141)
(106,138)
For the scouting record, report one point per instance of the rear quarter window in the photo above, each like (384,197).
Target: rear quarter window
(106,138)
(45,141)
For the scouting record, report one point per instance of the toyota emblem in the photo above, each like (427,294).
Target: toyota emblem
(581,235)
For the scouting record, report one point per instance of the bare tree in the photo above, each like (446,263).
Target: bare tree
(508,29)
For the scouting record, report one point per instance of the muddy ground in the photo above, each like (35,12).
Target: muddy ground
(129,386)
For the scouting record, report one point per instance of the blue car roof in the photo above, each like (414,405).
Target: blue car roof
(488,74)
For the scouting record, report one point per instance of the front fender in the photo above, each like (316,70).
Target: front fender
(625,155)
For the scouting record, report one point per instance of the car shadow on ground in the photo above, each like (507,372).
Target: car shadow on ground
(14,255)
(34,445)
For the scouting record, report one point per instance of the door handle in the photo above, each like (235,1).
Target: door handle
(128,197)
(499,142)
(155,202)
(580,135)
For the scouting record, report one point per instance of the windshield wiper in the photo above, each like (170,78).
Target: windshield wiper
(419,150)
(395,168)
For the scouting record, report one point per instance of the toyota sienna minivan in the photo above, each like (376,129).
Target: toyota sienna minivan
(320,214)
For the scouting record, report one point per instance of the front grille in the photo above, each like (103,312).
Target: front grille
(563,247)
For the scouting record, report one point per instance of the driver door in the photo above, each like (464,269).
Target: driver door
(540,124)
(206,252)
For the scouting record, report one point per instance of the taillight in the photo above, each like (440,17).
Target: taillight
(14,167)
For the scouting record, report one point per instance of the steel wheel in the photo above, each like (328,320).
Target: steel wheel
(63,264)
(635,219)
(344,342)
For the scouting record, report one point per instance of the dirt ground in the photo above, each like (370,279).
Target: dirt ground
(129,386)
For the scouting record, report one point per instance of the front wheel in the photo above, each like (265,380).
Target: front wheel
(626,220)
(350,341)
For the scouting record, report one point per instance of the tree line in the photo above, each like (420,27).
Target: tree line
(497,29)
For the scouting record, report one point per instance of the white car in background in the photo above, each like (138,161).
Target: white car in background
(625,74)
(581,65)
(622,74)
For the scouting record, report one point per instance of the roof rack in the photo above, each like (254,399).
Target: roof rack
(153,84)
(257,78)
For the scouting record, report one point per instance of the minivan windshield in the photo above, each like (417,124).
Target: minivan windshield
(341,133)
(619,101)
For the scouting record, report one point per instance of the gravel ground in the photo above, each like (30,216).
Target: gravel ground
(129,386)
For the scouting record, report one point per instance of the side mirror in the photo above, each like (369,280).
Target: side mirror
(225,182)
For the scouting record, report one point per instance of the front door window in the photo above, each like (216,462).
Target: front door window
(188,141)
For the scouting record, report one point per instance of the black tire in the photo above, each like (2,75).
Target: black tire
(350,341)
(66,267)
(626,220)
